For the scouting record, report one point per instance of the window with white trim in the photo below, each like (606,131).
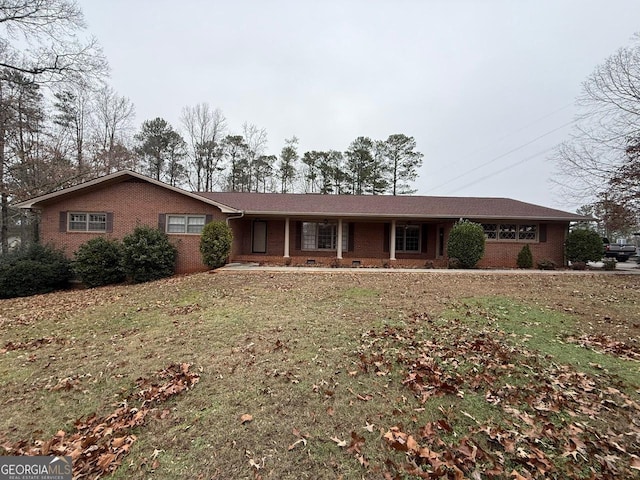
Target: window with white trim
(323,236)
(185,223)
(408,238)
(87,222)
(511,232)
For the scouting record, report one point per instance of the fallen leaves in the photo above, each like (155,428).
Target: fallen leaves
(246,418)
(557,421)
(98,444)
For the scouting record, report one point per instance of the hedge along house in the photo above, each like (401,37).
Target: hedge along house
(300,229)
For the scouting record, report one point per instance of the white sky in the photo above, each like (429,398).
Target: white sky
(470,80)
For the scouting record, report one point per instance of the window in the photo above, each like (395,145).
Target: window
(408,238)
(525,232)
(323,236)
(528,232)
(508,231)
(87,222)
(490,231)
(185,223)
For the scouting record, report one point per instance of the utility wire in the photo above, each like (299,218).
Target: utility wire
(508,167)
(494,159)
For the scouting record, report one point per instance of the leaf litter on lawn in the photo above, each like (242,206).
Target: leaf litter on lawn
(555,422)
(287,349)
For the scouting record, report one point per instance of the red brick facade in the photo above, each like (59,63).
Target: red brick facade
(132,203)
(371,247)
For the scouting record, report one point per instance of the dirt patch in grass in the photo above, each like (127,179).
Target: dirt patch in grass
(344,375)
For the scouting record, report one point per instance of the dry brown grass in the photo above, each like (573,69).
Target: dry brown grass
(288,349)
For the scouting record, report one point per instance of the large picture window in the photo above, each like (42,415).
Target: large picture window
(185,223)
(323,236)
(511,232)
(408,238)
(87,222)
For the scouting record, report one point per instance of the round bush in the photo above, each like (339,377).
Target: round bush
(215,243)
(99,262)
(584,246)
(148,255)
(525,258)
(37,269)
(466,243)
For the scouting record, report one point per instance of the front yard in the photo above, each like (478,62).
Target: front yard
(329,375)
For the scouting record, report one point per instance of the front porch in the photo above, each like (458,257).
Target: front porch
(343,242)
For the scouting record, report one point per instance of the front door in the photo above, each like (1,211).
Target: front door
(259,238)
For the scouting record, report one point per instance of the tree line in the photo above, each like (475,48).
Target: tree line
(61,124)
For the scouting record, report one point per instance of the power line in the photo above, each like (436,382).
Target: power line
(494,159)
(497,172)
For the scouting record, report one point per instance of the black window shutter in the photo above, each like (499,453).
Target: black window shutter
(162,222)
(208,218)
(385,240)
(424,237)
(351,239)
(109,226)
(542,232)
(298,235)
(63,221)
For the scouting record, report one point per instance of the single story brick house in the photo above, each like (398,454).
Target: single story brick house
(300,229)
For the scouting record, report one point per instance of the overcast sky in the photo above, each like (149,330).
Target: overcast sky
(486,88)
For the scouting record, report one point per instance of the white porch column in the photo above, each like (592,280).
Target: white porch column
(339,240)
(286,237)
(392,240)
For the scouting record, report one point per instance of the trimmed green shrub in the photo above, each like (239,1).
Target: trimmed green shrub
(583,245)
(148,255)
(99,262)
(525,258)
(466,243)
(215,243)
(36,269)
(609,263)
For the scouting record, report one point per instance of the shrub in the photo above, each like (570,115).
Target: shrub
(36,269)
(525,259)
(466,243)
(583,245)
(99,262)
(148,255)
(215,243)
(609,264)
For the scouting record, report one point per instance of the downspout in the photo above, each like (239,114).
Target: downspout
(233,217)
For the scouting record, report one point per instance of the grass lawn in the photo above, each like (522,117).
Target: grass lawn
(329,375)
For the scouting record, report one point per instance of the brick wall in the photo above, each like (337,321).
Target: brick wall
(505,254)
(132,203)
(370,248)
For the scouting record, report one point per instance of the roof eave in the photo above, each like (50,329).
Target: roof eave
(33,203)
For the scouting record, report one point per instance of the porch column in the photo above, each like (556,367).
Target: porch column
(286,237)
(339,240)
(392,240)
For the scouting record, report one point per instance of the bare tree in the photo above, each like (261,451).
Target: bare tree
(112,123)
(606,133)
(205,128)
(51,30)
(256,140)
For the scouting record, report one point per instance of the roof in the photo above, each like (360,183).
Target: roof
(346,206)
(387,206)
(117,177)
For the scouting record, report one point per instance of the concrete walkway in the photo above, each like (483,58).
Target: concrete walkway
(626,268)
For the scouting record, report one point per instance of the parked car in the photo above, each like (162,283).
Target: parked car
(619,251)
